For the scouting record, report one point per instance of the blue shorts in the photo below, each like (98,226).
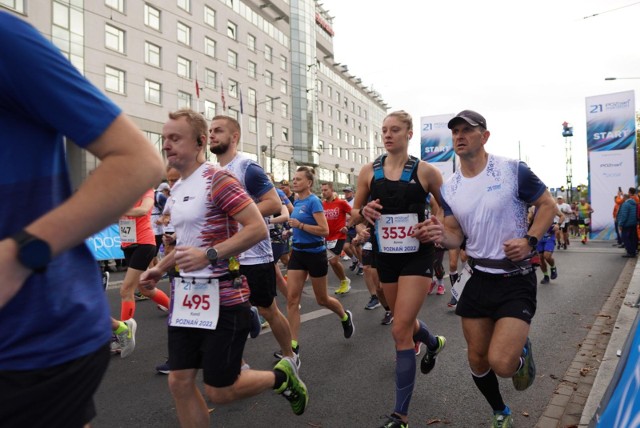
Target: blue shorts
(547,245)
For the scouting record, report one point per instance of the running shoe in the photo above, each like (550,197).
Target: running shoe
(138,296)
(440,291)
(115,345)
(554,272)
(502,419)
(163,368)
(348,326)
(127,338)
(373,303)
(353,266)
(453,302)
(388,318)
(346,258)
(296,355)
(345,287)
(429,360)
(394,421)
(524,377)
(545,280)
(360,271)
(263,322)
(432,287)
(293,389)
(105,279)
(418,347)
(256,327)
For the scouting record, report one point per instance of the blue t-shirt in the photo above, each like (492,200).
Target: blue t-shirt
(303,210)
(63,313)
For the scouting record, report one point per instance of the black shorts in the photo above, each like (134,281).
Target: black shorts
(314,263)
(494,296)
(59,396)
(573,222)
(262,283)
(393,266)
(278,249)
(369,258)
(565,227)
(139,256)
(217,352)
(337,250)
(158,242)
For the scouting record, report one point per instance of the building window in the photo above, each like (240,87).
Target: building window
(184,34)
(321,126)
(252,69)
(283,62)
(17,5)
(320,106)
(114,80)
(152,54)
(152,17)
(338,134)
(252,97)
(184,100)
(346,137)
(284,110)
(184,67)
(114,38)
(152,92)
(329,91)
(253,127)
(210,17)
(185,5)
(330,111)
(283,86)
(113,4)
(268,104)
(338,114)
(330,149)
(232,30)
(338,97)
(209,47)
(346,154)
(251,42)
(285,134)
(209,109)
(268,78)
(232,59)
(330,129)
(269,129)
(319,85)
(233,113)
(209,78)
(233,88)
(268,53)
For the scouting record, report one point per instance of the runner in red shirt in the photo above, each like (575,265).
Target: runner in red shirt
(336,210)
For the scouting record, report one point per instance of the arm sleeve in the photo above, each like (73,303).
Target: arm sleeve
(530,187)
(257,181)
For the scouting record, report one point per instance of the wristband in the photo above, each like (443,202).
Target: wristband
(361,211)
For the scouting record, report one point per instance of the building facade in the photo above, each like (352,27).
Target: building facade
(268,63)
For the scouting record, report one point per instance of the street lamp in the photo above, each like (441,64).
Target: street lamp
(621,78)
(255,115)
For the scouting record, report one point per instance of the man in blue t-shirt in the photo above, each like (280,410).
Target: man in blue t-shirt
(54,340)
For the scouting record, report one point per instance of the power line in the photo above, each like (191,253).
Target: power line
(611,10)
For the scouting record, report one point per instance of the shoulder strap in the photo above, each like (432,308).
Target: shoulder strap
(378,172)
(408,169)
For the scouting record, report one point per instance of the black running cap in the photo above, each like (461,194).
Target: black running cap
(471,117)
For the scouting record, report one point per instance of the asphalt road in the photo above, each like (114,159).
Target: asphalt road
(351,382)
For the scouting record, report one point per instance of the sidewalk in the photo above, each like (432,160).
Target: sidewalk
(578,395)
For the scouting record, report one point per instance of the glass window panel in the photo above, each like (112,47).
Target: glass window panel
(151,17)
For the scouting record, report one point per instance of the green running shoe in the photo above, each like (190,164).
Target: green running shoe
(429,360)
(502,419)
(524,377)
(293,389)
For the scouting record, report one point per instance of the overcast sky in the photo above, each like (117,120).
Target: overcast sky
(526,66)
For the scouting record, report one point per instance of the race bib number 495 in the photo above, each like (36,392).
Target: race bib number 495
(394,233)
(196,304)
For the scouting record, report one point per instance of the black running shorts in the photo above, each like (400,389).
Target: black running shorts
(314,263)
(494,296)
(139,256)
(262,283)
(217,352)
(393,266)
(59,396)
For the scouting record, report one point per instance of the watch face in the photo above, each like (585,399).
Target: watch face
(35,254)
(212,254)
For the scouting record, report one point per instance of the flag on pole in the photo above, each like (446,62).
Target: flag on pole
(197,85)
(241,106)
(224,103)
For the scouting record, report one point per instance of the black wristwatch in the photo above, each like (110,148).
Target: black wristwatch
(532,241)
(33,252)
(212,255)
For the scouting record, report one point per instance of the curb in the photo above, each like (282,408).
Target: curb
(578,394)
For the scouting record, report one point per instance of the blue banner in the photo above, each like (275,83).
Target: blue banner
(105,245)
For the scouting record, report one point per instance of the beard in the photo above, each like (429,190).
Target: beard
(220,149)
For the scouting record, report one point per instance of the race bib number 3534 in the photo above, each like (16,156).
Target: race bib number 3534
(394,233)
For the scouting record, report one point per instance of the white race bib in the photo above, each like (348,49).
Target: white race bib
(393,230)
(195,303)
(367,246)
(456,290)
(331,244)
(127,231)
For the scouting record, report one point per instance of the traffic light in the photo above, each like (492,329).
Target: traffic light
(567,130)
(579,188)
(562,188)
